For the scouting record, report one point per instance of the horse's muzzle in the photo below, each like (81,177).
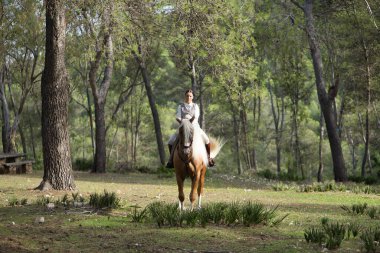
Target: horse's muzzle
(187,150)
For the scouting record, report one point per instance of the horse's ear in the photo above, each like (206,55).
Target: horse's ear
(192,119)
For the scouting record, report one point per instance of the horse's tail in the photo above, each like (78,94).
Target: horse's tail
(216,145)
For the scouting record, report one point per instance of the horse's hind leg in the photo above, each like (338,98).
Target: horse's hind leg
(200,187)
(181,195)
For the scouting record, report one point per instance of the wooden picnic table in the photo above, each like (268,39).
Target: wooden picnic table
(10,163)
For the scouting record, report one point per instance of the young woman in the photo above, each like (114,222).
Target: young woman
(188,110)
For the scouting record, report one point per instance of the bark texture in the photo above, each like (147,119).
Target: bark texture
(55,97)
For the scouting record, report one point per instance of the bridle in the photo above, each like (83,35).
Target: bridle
(186,156)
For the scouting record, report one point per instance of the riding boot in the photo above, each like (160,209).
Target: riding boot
(170,162)
(211,161)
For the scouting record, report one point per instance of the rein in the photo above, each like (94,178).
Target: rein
(186,160)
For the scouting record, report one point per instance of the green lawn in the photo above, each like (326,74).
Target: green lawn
(77,231)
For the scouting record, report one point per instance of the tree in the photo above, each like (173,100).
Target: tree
(325,98)
(141,46)
(55,97)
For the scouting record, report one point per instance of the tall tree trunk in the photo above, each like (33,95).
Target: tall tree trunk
(91,122)
(366,154)
(325,99)
(244,126)
(156,118)
(32,139)
(100,94)
(55,99)
(23,140)
(351,141)
(237,143)
(275,114)
(321,129)
(6,129)
(256,125)
(99,165)
(236,130)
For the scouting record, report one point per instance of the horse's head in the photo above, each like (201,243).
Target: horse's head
(186,133)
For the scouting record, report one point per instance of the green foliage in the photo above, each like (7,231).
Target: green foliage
(232,213)
(43,200)
(353,229)
(371,239)
(373,212)
(82,164)
(356,209)
(315,235)
(335,234)
(104,200)
(139,216)
(164,172)
(331,234)
(324,220)
(216,213)
(17,202)
(256,213)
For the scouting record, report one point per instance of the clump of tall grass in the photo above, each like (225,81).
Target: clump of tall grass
(356,209)
(371,239)
(219,213)
(335,234)
(139,216)
(17,202)
(331,234)
(315,235)
(44,200)
(104,200)
(373,212)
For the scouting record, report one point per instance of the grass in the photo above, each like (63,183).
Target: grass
(68,229)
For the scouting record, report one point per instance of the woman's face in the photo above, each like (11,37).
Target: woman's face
(189,97)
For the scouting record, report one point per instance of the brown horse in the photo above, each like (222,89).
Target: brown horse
(190,159)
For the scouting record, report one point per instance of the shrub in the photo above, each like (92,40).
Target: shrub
(105,200)
(82,164)
(156,210)
(256,213)
(267,173)
(369,180)
(16,202)
(190,217)
(232,213)
(315,235)
(372,212)
(371,239)
(43,200)
(164,172)
(353,229)
(355,209)
(280,187)
(216,212)
(335,235)
(138,216)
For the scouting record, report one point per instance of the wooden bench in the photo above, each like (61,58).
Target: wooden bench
(19,167)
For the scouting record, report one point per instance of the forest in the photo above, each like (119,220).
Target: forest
(292,86)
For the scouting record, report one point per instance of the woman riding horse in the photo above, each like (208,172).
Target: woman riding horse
(188,110)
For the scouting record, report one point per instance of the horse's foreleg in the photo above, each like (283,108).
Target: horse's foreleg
(194,186)
(200,187)
(181,195)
